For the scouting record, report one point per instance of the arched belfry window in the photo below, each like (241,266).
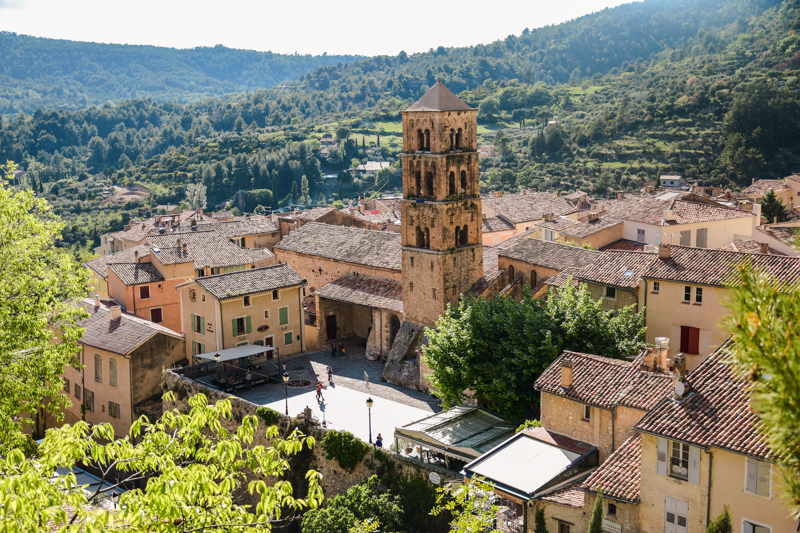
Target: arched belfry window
(420,140)
(428,140)
(452,183)
(463,182)
(458,236)
(458,139)
(453,141)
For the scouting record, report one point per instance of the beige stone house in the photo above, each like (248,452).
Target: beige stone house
(526,208)
(122,357)
(615,278)
(262,306)
(534,261)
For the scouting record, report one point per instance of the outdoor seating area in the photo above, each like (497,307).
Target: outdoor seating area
(241,367)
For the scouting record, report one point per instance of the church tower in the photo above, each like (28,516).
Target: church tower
(441,207)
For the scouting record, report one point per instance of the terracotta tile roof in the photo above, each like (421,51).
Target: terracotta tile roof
(571,495)
(368,292)
(439,98)
(251,281)
(558,223)
(557,439)
(687,208)
(620,475)
(528,207)
(717,411)
(120,336)
(715,267)
(606,382)
(793,177)
(584,229)
(491,271)
(560,279)
(380,249)
(623,245)
(100,264)
(491,224)
(551,254)
(577,195)
(749,247)
(621,269)
(762,186)
(204,248)
(314,214)
(786,232)
(136,273)
(310,304)
(508,243)
(696,212)
(254,225)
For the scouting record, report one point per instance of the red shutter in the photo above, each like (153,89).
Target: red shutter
(694,341)
(685,339)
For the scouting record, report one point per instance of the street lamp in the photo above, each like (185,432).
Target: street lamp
(114,498)
(286,390)
(369,410)
(216,357)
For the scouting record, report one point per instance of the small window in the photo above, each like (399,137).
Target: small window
(687,294)
(88,399)
(611,293)
(679,460)
(161,286)
(98,368)
(144,292)
(752,527)
(288,338)
(587,412)
(240,326)
(656,287)
(113,409)
(266,313)
(433,291)
(612,510)
(698,295)
(66,386)
(77,391)
(156,315)
(246,301)
(563,528)
(412,261)
(112,372)
(203,298)
(276,295)
(411,287)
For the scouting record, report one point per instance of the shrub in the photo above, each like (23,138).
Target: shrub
(529,424)
(269,416)
(346,448)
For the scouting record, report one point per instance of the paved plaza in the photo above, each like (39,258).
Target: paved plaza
(344,403)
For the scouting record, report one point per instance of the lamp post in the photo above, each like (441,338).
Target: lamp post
(216,357)
(369,410)
(114,498)
(286,390)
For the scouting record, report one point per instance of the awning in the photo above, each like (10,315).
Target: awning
(236,352)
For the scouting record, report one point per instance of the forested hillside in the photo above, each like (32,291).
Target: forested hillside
(53,73)
(704,88)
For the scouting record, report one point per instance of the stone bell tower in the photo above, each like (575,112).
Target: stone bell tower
(441,207)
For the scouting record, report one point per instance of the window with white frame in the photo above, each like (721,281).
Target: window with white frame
(640,235)
(656,287)
(266,313)
(687,294)
(246,301)
(698,295)
(749,526)
(758,477)
(587,412)
(679,460)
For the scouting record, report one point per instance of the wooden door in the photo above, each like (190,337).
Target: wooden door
(330,326)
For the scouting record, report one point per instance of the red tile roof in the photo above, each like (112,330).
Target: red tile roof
(368,292)
(687,208)
(491,224)
(560,279)
(620,475)
(762,186)
(717,412)
(120,336)
(558,223)
(620,269)
(786,232)
(553,255)
(749,247)
(571,495)
(528,207)
(491,271)
(623,245)
(715,267)
(584,229)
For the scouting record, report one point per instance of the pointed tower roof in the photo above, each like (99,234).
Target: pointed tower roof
(439,98)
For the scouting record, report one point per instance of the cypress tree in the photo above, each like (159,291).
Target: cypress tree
(540,526)
(596,522)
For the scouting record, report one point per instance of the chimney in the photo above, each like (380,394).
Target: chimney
(136,256)
(193,223)
(662,349)
(116,312)
(178,244)
(144,226)
(620,195)
(97,300)
(566,373)
(680,386)
(483,216)
(185,250)
(650,189)
(649,362)
(764,248)
(669,214)
(664,250)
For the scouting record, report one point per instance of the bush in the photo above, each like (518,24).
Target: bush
(346,448)
(529,424)
(269,416)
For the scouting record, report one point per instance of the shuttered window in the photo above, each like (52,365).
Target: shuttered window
(283,315)
(690,340)
(98,368)
(702,238)
(758,477)
(112,372)
(676,519)
(113,409)
(288,338)
(686,238)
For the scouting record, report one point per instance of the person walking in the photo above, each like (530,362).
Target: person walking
(333,351)
(330,376)
(341,349)
(379,441)
(319,392)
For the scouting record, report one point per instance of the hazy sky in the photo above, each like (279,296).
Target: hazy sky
(304,26)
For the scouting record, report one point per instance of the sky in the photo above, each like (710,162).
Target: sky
(359,27)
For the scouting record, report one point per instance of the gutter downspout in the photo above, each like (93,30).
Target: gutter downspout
(218,316)
(645,302)
(708,503)
(302,320)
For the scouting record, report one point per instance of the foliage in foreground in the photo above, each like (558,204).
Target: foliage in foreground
(472,505)
(499,347)
(37,280)
(722,523)
(194,469)
(766,332)
(346,448)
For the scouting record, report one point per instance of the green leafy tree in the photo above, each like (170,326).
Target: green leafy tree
(305,197)
(342,133)
(766,349)
(739,159)
(194,468)
(596,520)
(366,501)
(472,506)
(295,192)
(38,283)
(722,523)
(539,523)
(499,347)
(196,196)
(489,108)
(772,208)
(239,125)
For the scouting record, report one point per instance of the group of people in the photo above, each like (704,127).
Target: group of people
(337,350)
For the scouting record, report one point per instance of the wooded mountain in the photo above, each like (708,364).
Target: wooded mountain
(54,73)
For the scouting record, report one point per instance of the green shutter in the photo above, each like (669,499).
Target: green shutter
(202,325)
(194,322)
(283,313)
(247,323)
(287,338)
(235,329)
(194,348)
(242,242)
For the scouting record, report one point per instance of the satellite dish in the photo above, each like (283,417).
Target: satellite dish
(680,389)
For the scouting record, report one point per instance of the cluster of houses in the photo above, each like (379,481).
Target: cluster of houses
(669,437)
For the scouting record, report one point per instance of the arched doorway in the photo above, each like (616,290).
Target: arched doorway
(394,327)
(510,273)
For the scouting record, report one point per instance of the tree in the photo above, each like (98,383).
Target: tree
(596,520)
(239,125)
(658,182)
(321,198)
(304,194)
(472,506)
(342,133)
(499,347)
(766,350)
(38,284)
(295,193)
(772,208)
(540,526)
(722,523)
(193,466)
(489,108)
(366,501)
(196,196)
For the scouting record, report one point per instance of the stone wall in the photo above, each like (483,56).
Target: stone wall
(319,271)
(403,363)
(335,480)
